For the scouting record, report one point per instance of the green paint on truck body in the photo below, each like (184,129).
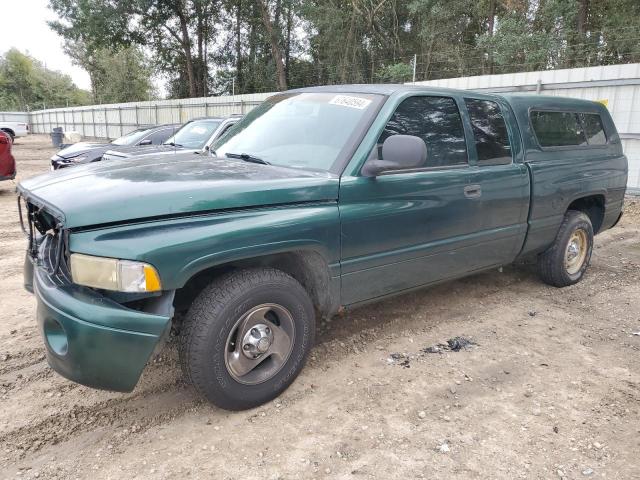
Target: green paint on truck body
(366,238)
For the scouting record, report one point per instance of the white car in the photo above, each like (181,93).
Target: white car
(15,129)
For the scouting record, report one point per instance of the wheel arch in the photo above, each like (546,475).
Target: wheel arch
(591,205)
(307,266)
(9,131)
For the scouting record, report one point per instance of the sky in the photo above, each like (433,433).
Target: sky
(24,26)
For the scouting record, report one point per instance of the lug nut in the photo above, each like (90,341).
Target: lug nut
(255,332)
(267,330)
(246,346)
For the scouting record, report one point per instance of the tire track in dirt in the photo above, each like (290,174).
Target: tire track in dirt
(78,419)
(22,360)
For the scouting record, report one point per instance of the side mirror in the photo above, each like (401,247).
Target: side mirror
(400,152)
(145,142)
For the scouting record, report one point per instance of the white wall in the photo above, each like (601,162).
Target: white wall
(114,120)
(14,117)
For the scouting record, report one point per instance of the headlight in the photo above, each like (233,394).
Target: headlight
(79,158)
(114,274)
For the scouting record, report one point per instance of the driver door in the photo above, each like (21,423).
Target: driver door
(404,229)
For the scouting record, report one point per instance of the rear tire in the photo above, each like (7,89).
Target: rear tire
(246,337)
(566,261)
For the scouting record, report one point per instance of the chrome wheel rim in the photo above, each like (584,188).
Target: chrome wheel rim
(576,252)
(259,344)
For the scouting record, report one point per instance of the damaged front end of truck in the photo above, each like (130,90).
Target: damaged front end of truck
(95,337)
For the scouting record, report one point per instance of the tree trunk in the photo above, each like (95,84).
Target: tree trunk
(275,46)
(253,42)
(200,33)
(186,46)
(347,46)
(490,28)
(239,76)
(287,44)
(583,11)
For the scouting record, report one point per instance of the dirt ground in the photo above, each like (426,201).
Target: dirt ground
(551,390)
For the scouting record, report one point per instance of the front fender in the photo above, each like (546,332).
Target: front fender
(180,248)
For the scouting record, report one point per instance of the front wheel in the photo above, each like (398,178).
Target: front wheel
(566,261)
(11,136)
(246,337)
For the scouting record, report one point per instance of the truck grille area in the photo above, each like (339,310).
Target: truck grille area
(48,241)
(53,258)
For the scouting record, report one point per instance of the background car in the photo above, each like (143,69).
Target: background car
(15,129)
(195,136)
(7,162)
(87,152)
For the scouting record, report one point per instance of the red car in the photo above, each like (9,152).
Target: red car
(7,162)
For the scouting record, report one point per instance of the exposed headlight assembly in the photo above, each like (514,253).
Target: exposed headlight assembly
(114,274)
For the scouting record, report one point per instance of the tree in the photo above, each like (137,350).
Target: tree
(177,32)
(396,73)
(217,46)
(26,84)
(123,76)
(274,40)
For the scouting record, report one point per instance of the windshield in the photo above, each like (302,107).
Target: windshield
(131,138)
(300,130)
(194,134)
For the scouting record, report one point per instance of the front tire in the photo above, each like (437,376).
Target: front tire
(246,337)
(565,262)
(11,136)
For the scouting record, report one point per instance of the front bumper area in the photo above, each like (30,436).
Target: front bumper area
(58,162)
(92,340)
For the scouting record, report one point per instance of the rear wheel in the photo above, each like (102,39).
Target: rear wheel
(246,337)
(566,261)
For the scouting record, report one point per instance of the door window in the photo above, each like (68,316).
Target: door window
(437,121)
(489,131)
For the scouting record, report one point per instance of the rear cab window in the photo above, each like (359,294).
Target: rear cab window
(593,128)
(567,129)
(489,131)
(437,121)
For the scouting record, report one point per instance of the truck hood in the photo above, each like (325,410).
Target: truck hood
(122,191)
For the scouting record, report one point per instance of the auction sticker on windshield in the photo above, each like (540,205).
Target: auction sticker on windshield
(349,101)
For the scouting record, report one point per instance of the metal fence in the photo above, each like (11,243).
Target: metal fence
(23,117)
(115,120)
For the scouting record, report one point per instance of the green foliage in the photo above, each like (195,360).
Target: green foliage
(202,47)
(122,76)
(25,84)
(396,73)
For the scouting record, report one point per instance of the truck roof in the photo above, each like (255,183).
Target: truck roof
(379,89)
(520,99)
(523,100)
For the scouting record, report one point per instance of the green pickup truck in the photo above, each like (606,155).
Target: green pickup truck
(319,199)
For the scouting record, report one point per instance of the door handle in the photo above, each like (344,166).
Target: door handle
(472,191)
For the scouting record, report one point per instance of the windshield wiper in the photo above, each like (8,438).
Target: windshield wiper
(247,158)
(173,144)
